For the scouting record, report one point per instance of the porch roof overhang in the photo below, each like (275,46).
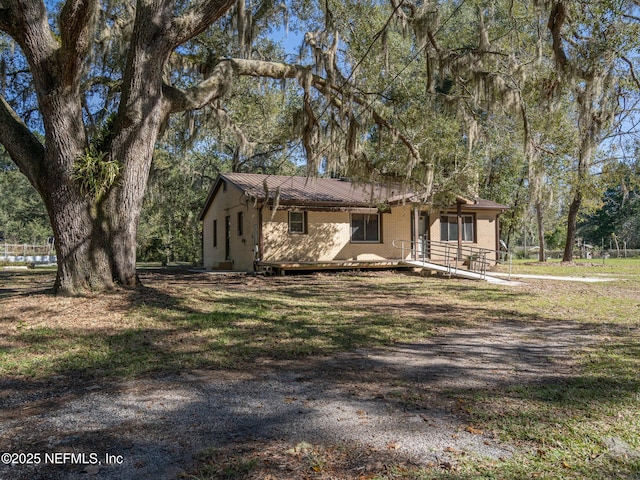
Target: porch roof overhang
(480,204)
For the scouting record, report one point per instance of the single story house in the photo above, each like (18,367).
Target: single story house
(251,221)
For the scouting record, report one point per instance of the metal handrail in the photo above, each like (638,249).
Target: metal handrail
(449,254)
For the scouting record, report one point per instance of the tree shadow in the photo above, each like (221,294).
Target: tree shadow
(419,407)
(196,320)
(413,369)
(16,282)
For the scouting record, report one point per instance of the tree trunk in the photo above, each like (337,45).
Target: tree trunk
(98,246)
(540,218)
(92,255)
(572,219)
(83,260)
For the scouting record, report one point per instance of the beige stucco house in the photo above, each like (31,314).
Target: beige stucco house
(253,221)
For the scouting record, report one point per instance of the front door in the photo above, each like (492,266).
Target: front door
(423,235)
(422,239)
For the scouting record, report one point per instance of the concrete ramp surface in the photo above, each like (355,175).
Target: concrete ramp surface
(459,272)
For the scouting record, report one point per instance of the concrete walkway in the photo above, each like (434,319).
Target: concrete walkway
(555,277)
(500,278)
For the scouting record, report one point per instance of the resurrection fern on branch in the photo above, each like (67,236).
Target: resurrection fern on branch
(96,173)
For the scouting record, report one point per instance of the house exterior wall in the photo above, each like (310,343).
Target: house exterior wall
(486,229)
(328,237)
(241,246)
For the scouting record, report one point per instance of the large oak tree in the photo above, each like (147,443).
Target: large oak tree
(93,182)
(95,228)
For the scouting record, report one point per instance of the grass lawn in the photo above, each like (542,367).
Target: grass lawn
(586,425)
(594,267)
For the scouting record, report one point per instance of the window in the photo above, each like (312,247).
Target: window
(449,228)
(240,223)
(215,233)
(297,222)
(365,227)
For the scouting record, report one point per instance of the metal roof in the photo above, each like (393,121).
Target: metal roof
(326,192)
(308,190)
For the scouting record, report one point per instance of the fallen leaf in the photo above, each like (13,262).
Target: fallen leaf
(447,466)
(301,447)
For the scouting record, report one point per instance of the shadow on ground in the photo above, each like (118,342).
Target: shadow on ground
(355,401)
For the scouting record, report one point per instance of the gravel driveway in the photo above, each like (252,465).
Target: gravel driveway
(402,402)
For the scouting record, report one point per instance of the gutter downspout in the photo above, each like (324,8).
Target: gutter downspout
(416,229)
(260,236)
(459,213)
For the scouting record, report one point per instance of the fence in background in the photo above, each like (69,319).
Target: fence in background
(26,253)
(532,253)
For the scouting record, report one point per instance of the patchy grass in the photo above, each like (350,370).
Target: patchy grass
(582,425)
(580,268)
(171,326)
(202,321)
(585,426)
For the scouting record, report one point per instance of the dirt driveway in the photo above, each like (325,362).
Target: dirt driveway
(365,409)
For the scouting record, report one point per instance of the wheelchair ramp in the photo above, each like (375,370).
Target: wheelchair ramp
(458,272)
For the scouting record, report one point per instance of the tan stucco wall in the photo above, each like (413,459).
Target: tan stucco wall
(329,237)
(225,204)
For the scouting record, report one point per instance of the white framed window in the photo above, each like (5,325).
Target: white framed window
(449,228)
(365,227)
(297,222)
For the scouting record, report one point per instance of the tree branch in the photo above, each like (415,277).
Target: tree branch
(23,147)
(22,19)
(197,19)
(631,70)
(5,18)
(223,73)
(556,21)
(76,25)
(26,22)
